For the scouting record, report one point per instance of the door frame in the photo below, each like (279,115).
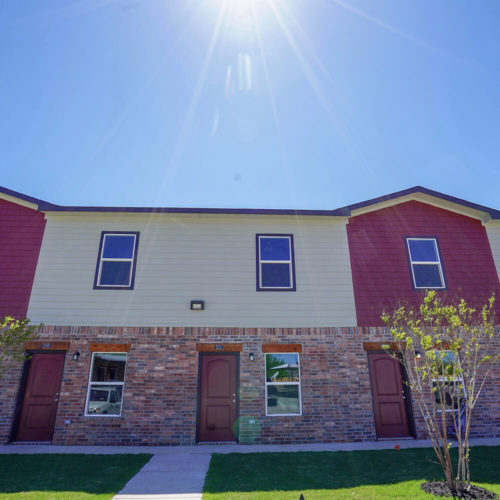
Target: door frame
(198,389)
(22,386)
(407,394)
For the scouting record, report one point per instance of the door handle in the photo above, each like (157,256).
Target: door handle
(56,400)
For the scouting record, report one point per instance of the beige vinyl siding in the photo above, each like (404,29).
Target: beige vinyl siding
(493,231)
(183,257)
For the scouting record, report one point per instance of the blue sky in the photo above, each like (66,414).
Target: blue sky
(310,104)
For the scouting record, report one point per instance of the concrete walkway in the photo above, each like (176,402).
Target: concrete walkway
(178,472)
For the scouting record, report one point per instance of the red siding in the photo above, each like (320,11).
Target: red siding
(380,268)
(21,231)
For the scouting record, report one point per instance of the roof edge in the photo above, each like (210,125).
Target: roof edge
(494,214)
(23,197)
(346,211)
(48,207)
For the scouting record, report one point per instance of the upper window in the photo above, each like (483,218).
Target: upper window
(425,262)
(282,384)
(275,262)
(107,376)
(116,260)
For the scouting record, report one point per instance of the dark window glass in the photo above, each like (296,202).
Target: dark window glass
(109,367)
(105,400)
(283,399)
(118,246)
(274,249)
(427,275)
(451,391)
(423,250)
(115,273)
(275,275)
(282,368)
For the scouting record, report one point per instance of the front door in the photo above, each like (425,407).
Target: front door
(218,410)
(39,407)
(389,404)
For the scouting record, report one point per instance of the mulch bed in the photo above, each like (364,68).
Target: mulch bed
(440,489)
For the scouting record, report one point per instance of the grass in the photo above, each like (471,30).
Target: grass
(325,475)
(68,476)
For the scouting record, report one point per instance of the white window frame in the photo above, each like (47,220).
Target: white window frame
(289,237)
(283,383)
(102,259)
(419,262)
(458,378)
(105,383)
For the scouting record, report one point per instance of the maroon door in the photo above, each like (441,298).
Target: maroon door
(391,419)
(217,397)
(38,412)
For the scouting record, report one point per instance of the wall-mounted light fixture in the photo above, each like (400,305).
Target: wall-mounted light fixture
(76,356)
(250,356)
(418,355)
(197,305)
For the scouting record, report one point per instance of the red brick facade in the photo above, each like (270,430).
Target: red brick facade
(380,267)
(21,231)
(161,387)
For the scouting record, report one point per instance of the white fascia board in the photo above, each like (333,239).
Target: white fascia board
(484,217)
(18,201)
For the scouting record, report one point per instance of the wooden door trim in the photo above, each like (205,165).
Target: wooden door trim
(202,354)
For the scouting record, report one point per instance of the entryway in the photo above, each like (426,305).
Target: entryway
(218,408)
(389,396)
(41,396)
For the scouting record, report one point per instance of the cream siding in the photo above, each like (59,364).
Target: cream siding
(183,257)
(493,231)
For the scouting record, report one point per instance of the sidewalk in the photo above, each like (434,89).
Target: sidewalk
(178,472)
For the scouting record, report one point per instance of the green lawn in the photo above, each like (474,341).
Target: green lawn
(326,475)
(67,476)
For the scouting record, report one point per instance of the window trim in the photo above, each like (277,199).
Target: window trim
(100,260)
(438,263)
(91,383)
(283,383)
(291,262)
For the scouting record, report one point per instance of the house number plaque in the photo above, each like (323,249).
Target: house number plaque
(227,347)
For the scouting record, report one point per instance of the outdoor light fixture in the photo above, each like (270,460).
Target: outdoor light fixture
(197,305)
(418,355)
(250,356)
(76,356)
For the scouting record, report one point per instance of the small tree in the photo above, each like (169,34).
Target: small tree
(448,353)
(13,334)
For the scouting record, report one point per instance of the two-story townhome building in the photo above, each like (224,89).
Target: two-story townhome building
(178,326)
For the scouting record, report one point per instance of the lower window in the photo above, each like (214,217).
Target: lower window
(449,387)
(107,377)
(283,384)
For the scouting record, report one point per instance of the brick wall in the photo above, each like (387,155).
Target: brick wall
(380,267)
(160,395)
(21,231)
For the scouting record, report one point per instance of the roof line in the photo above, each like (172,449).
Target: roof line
(495,214)
(346,211)
(177,210)
(24,197)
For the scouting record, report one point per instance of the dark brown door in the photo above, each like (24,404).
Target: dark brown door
(38,412)
(217,397)
(391,418)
